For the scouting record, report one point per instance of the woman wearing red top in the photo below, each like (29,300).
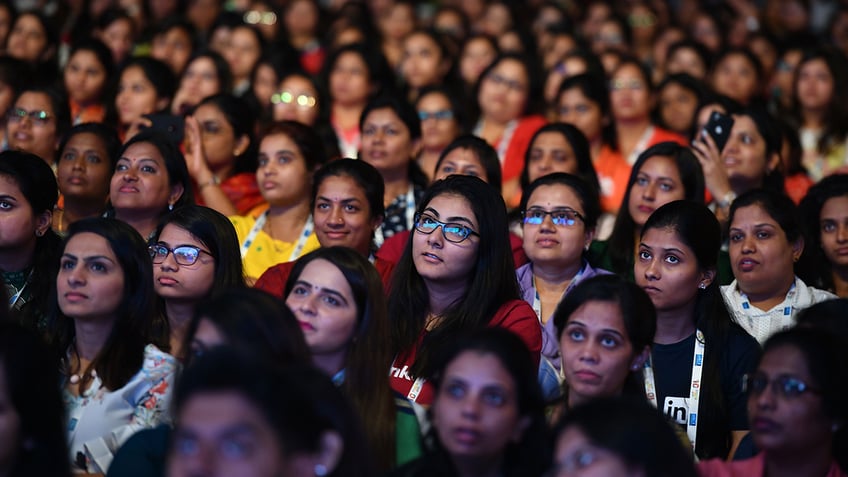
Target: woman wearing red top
(506,96)
(221,154)
(457,278)
(631,100)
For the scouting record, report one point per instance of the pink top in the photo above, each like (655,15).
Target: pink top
(753,467)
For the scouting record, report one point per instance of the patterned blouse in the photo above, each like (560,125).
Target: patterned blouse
(100,420)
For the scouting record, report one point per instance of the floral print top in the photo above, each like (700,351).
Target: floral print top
(100,420)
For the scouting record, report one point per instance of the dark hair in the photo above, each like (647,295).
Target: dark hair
(828,315)
(59,104)
(157,72)
(299,403)
(404,111)
(380,75)
(792,161)
(238,115)
(103,54)
(692,179)
(106,134)
(751,58)
(174,161)
(579,146)
(176,22)
(778,206)
(816,269)
(14,73)
(365,382)
(485,153)
(587,194)
(31,376)
(216,232)
(365,175)
(632,430)
(825,359)
(491,281)
(308,141)
(444,50)
(637,313)
(687,82)
(122,354)
(835,120)
(697,228)
(222,68)
(254,323)
(595,89)
(534,104)
(37,183)
(448,92)
(698,48)
(530,454)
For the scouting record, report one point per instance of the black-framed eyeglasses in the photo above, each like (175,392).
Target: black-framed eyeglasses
(453,232)
(183,255)
(437,115)
(17,115)
(787,386)
(564,217)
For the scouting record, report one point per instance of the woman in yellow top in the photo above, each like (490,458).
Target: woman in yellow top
(281,230)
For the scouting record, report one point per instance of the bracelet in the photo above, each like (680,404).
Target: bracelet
(213,181)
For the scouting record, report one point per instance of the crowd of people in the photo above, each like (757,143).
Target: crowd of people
(471,238)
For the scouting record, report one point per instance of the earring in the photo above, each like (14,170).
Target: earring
(170,207)
(702,286)
(320,470)
(39,233)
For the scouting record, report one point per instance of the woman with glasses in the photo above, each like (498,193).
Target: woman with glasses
(37,122)
(297,97)
(508,94)
(631,96)
(441,123)
(559,213)
(116,380)
(699,353)
(456,274)
(195,255)
(796,407)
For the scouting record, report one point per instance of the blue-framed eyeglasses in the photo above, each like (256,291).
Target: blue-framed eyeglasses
(564,217)
(787,386)
(453,232)
(437,115)
(183,255)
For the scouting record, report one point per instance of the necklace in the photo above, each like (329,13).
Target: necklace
(76,378)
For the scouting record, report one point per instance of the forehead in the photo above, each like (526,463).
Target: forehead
(343,185)
(555,195)
(35,99)
(384,116)
(628,70)
(434,99)
(665,237)
(473,365)
(601,315)
(752,214)
(89,243)
(203,63)
(660,166)
(143,150)
(511,67)
(86,140)
(297,82)
(450,204)
(174,234)
(324,274)
(785,359)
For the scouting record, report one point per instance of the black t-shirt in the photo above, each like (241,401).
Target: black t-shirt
(672,365)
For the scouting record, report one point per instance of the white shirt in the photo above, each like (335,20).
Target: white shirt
(762,324)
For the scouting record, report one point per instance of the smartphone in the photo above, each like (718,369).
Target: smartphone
(719,126)
(171,124)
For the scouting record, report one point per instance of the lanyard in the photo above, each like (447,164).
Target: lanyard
(506,137)
(260,222)
(13,300)
(409,213)
(694,390)
(641,145)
